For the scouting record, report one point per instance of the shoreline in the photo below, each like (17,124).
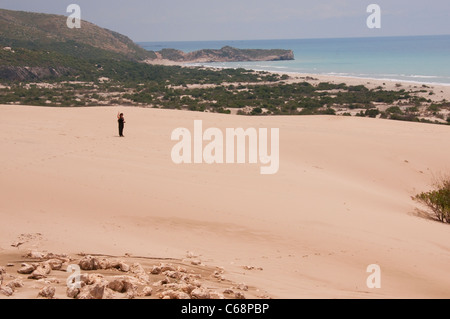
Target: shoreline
(187,64)
(370,83)
(442,89)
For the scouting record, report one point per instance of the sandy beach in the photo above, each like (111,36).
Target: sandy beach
(440,91)
(341,201)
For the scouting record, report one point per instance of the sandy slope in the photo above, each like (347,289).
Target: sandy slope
(340,202)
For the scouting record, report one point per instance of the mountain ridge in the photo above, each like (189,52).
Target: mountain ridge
(40,31)
(225,54)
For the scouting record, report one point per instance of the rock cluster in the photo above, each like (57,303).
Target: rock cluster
(98,281)
(93,263)
(9,289)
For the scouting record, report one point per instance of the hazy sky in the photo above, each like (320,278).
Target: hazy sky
(186,20)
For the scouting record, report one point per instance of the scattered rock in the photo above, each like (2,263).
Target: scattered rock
(218,274)
(26,269)
(126,284)
(10,265)
(200,293)
(89,263)
(243,287)
(61,257)
(147,292)
(188,288)
(167,267)
(252,268)
(196,262)
(40,272)
(109,294)
(156,270)
(52,281)
(55,264)
(174,295)
(131,294)
(196,283)
(190,255)
(239,295)
(172,274)
(47,292)
(105,264)
(140,273)
(179,282)
(124,267)
(17,244)
(72,292)
(96,291)
(91,279)
(163,282)
(7,291)
(216,295)
(228,292)
(36,255)
(182,269)
(117,285)
(16,283)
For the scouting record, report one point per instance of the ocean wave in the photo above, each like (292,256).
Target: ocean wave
(405,79)
(424,76)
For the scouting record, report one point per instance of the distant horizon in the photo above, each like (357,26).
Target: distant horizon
(287,39)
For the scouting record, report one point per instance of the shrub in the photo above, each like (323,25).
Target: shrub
(434,108)
(413,109)
(438,200)
(394,110)
(328,111)
(256,111)
(372,113)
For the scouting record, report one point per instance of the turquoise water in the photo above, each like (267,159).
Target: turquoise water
(424,59)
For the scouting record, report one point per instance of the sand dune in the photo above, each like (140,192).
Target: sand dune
(340,201)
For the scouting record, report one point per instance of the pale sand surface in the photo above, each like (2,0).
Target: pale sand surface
(340,202)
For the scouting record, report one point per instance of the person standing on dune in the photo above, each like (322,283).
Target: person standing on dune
(121,123)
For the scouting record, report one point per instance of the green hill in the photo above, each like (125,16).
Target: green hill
(48,32)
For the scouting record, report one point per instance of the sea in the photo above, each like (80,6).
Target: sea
(422,59)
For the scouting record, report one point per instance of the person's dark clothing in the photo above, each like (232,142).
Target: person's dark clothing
(121,126)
